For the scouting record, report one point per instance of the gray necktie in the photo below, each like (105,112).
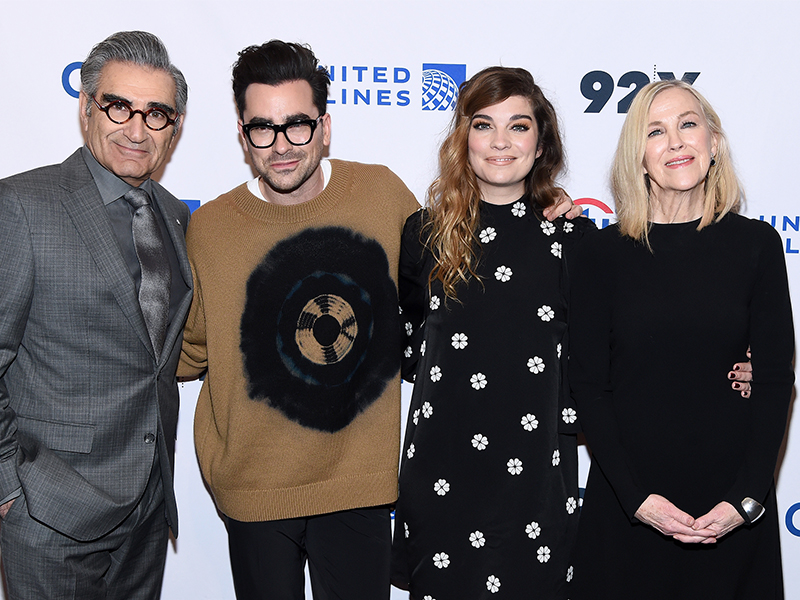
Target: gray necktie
(154,289)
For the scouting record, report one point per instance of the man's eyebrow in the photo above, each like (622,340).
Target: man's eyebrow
(168,108)
(109,98)
(289,119)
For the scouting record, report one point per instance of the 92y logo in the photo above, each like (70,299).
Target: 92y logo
(598,86)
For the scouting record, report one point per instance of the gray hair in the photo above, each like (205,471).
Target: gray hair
(137,47)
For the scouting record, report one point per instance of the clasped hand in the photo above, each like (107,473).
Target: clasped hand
(664,516)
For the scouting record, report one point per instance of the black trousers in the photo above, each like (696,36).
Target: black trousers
(348,554)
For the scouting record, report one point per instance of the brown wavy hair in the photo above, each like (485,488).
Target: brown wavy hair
(454,197)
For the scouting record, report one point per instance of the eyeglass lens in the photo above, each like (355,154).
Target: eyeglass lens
(298,134)
(119,112)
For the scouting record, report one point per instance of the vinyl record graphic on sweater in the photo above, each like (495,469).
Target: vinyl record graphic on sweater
(320,329)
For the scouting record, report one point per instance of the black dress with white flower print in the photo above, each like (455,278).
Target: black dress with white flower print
(488,481)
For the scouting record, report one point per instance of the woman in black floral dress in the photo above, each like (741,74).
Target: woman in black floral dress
(488,482)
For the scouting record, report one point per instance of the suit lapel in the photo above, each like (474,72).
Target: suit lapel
(85,208)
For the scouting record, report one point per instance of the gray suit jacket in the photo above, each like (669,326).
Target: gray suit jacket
(82,396)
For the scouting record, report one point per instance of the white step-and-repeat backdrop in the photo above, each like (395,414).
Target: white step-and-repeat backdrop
(387,60)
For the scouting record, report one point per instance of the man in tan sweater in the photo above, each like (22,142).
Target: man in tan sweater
(295,323)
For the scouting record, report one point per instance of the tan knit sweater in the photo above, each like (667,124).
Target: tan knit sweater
(295,319)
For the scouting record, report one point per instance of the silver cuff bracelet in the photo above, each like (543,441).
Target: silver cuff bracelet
(752,509)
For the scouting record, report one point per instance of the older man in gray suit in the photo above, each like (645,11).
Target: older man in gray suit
(94,290)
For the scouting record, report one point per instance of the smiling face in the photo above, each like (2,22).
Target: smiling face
(679,146)
(131,151)
(503,145)
(289,174)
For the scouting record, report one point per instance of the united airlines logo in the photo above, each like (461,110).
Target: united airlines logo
(440,83)
(386,85)
(789,227)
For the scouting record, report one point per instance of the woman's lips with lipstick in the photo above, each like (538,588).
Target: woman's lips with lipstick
(679,162)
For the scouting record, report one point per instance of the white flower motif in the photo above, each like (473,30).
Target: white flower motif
(558,350)
(514,466)
(459,341)
(535,364)
(518,210)
(487,235)
(533,530)
(547,227)
(568,227)
(435,302)
(545,313)
(436,373)
(571,505)
(569,574)
(416,416)
(543,554)
(408,352)
(476,539)
(422,348)
(556,458)
(410,451)
(503,273)
(428,597)
(493,583)
(529,422)
(441,560)
(555,249)
(478,381)
(480,441)
(400,310)
(441,487)
(427,410)
(409,328)
(405,529)
(569,416)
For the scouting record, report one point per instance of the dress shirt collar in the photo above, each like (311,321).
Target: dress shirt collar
(109,185)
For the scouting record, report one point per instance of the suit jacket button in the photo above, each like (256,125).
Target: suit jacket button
(149,438)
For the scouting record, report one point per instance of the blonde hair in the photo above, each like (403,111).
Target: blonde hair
(454,197)
(631,188)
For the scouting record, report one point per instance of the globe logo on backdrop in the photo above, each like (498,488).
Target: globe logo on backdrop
(440,85)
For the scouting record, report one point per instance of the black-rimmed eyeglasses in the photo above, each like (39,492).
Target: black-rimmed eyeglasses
(297,133)
(120,112)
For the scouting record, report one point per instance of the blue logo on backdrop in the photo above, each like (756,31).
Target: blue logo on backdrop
(65,75)
(390,86)
(785,224)
(382,86)
(440,84)
(597,211)
(790,519)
